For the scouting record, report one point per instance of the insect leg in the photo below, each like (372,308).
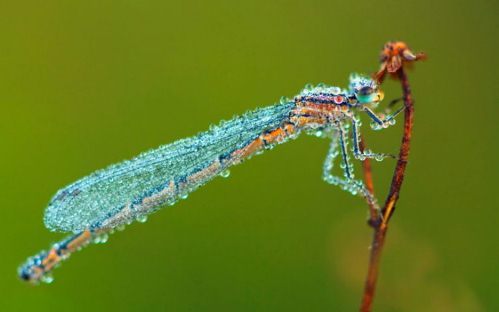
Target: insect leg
(348,183)
(392,104)
(329,162)
(361,155)
(379,123)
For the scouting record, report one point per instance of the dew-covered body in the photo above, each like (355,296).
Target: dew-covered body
(133,188)
(130,190)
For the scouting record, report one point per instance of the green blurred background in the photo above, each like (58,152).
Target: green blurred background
(87,83)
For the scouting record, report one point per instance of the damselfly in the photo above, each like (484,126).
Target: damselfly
(108,199)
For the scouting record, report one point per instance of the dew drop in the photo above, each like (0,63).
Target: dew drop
(104,238)
(142,218)
(101,238)
(120,227)
(284,100)
(318,133)
(184,195)
(225,173)
(47,278)
(375,126)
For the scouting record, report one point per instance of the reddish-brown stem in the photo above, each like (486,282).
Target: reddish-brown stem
(398,176)
(380,223)
(377,244)
(368,181)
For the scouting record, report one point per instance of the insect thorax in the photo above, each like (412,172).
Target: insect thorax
(321,107)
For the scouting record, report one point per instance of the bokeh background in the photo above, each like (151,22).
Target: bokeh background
(87,83)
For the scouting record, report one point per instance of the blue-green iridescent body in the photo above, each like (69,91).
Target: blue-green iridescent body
(110,198)
(157,177)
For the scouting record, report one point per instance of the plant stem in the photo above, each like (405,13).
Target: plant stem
(368,181)
(380,223)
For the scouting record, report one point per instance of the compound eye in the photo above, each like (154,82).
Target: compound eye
(365,91)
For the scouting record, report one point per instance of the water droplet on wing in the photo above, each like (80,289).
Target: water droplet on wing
(225,173)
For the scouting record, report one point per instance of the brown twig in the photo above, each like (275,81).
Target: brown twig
(368,181)
(394,56)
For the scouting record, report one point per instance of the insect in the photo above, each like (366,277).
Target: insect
(96,205)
